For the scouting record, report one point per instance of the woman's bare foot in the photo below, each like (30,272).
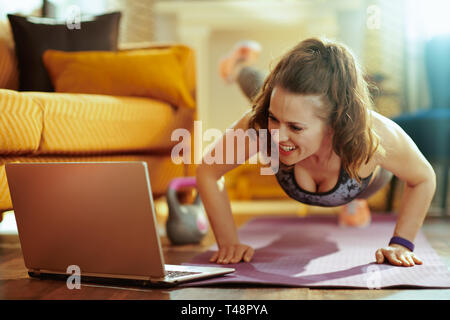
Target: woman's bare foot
(244,53)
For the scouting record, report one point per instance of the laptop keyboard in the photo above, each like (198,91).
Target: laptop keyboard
(176,274)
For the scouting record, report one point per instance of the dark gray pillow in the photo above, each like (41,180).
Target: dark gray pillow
(34,35)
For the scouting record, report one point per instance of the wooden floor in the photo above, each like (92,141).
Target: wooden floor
(15,283)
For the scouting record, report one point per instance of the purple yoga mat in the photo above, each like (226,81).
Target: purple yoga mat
(316,252)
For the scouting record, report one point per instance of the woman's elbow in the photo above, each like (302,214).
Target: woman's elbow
(429,180)
(432,180)
(426,181)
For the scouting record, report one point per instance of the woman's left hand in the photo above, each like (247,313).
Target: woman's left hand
(397,255)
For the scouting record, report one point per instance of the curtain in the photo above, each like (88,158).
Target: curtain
(384,54)
(426,23)
(137,19)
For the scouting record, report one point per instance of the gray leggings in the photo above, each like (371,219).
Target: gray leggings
(250,80)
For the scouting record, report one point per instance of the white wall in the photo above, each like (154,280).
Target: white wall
(277,32)
(22,6)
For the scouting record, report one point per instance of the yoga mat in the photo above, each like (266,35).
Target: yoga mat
(316,252)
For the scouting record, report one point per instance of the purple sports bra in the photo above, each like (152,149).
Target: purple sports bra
(345,190)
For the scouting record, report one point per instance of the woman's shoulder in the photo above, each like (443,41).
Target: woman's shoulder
(391,136)
(386,129)
(382,124)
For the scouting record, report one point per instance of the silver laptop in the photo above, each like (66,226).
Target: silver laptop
(96,216)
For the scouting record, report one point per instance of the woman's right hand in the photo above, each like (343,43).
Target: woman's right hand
(233,254)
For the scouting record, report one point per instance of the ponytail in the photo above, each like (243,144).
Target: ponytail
(354,140)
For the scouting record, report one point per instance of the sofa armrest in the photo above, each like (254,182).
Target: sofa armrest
(21,123)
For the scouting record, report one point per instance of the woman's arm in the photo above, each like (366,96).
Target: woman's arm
(405,161)
(210,184)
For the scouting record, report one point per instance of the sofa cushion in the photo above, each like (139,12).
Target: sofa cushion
(33,35)
(186,58)
(20,123)
(155,73)
(100,124)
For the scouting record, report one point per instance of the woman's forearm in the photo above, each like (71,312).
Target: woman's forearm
(217,205)
(414,206)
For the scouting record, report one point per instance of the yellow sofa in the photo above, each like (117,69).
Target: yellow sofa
(54,127)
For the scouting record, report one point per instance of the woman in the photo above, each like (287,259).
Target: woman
(333,148)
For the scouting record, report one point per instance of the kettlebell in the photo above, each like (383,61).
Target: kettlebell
(187,223)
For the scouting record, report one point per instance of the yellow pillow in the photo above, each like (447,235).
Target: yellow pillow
(155,73)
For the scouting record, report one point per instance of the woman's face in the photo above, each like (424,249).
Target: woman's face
(301,132)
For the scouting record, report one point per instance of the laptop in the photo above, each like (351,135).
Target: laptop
(98,217)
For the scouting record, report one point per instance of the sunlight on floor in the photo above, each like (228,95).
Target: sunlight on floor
(8,225)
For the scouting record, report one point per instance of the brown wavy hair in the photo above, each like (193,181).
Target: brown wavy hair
(328,69)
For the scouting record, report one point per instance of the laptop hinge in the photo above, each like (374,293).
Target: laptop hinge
(36,272)
(156,279)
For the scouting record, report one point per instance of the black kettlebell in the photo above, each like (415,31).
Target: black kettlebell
(187,223)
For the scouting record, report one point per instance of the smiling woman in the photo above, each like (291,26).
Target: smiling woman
(333,93)
(300,134)
(334,148)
